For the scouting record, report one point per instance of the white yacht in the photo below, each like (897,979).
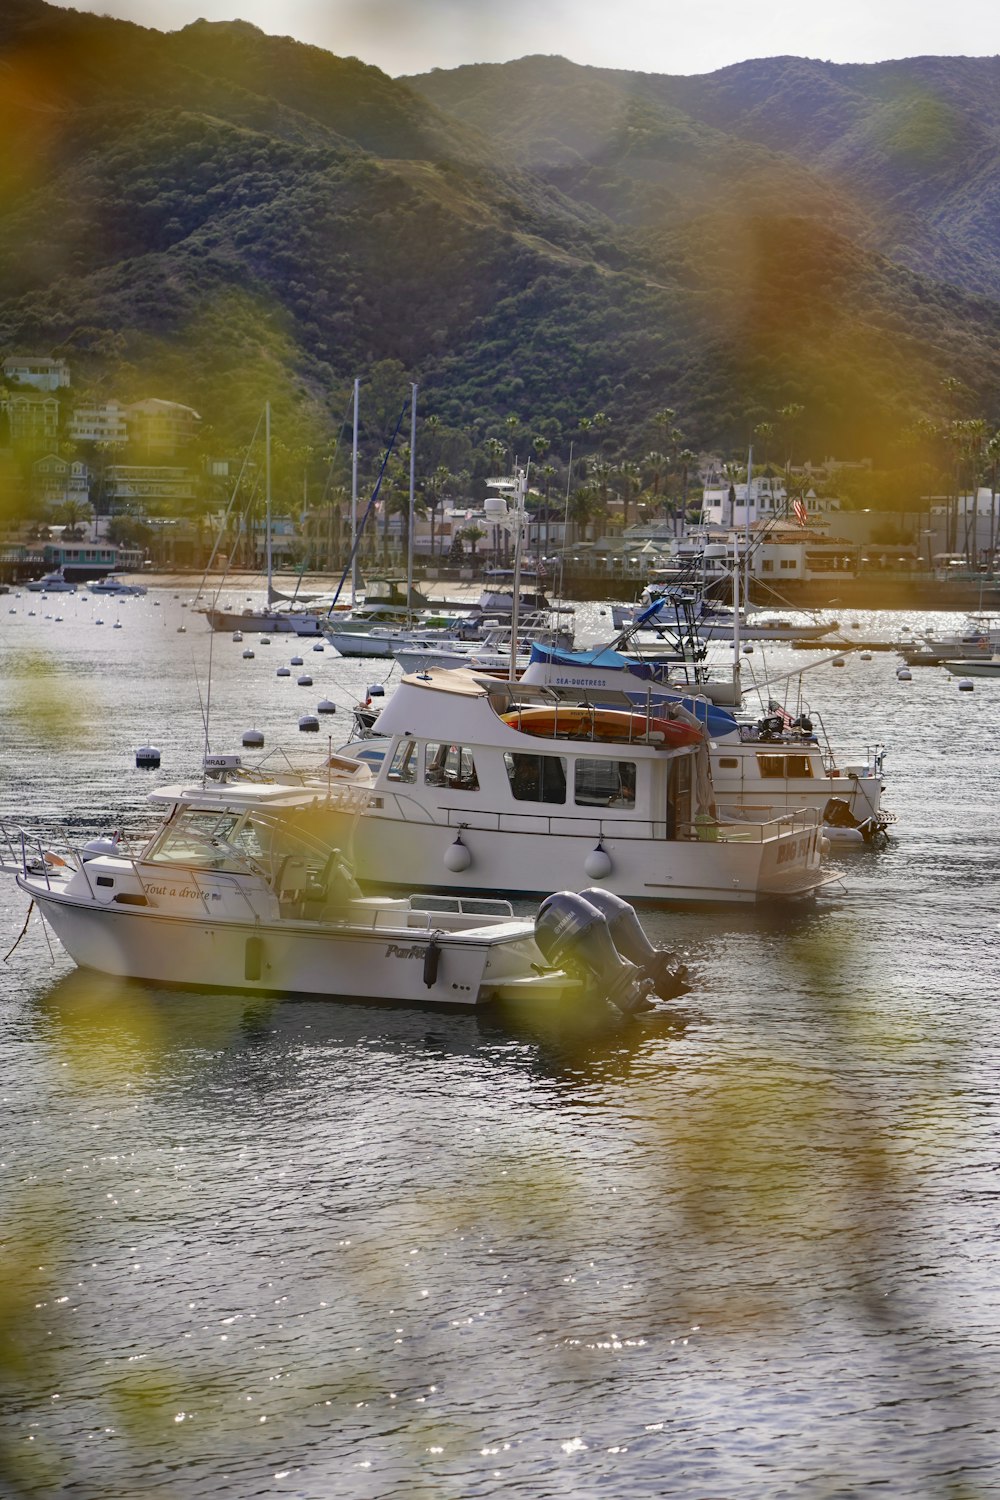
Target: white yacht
(760,767)
(112,584)
(52,583)
(243,886)
(486,786)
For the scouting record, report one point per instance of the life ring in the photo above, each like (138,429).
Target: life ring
(613,725)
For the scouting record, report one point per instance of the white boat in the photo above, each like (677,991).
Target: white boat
(761,766)
(476,792)
(387,641)
(243,886)
(489,654)
(273,619)
(111,584)
(718,625)
(978,643)
(979,667)
(52,583)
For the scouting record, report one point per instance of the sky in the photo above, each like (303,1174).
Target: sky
(657,36)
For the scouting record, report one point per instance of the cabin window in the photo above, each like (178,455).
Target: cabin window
(450,766)
(799,765)
(536,778)
(604,783)
(404,762)
(728,763)
(772,767)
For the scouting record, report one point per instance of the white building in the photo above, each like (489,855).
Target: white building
(724,503)
(98,422)
(42,373)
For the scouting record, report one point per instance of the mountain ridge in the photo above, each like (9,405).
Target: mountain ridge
(224,216)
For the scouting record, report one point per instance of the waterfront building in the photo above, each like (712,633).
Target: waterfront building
(725,503)
(129,487)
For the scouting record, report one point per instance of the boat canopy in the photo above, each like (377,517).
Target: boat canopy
(717,720)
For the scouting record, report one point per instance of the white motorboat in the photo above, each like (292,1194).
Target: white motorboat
(52,583)
(487,786)
(974,667)
(491,653)
(243,886)
(979,643)
(111,584)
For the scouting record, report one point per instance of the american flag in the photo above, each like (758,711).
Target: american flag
(801,514)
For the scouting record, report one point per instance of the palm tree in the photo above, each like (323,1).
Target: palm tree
(687,458)
(992,454)
(472,535)
(583,507)
(436,486)
(631,475)
(655,465)
(496,452)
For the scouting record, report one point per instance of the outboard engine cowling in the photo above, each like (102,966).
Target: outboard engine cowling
(573,935)
(837,814)
(668,976)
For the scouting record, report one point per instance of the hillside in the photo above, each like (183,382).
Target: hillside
(218,216)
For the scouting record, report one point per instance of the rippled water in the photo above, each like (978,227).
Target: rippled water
(315,1249)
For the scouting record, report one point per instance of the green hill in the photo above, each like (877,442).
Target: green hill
(218,216)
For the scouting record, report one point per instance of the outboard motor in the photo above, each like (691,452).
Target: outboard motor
(573,935)
(837,814)
(669,977)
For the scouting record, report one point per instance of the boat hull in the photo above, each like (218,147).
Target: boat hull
(524,854)
(265,622)
(386,963)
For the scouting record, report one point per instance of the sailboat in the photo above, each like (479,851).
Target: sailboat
(279,615)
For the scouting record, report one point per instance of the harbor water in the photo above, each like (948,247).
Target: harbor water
(746,1247)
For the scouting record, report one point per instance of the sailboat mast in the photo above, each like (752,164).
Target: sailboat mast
(747,548)
(354,501)
(409,525)
(520,496)
(267,497)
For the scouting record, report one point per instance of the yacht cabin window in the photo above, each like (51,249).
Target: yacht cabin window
(777,767)
(604,783)
(450,766)
(404,762)
(536,778)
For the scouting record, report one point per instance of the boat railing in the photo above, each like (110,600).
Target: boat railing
(727,829)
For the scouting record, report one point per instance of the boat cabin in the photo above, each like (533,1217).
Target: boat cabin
(471,738)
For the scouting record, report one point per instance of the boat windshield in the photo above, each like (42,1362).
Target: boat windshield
(245,841)
(215,840)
